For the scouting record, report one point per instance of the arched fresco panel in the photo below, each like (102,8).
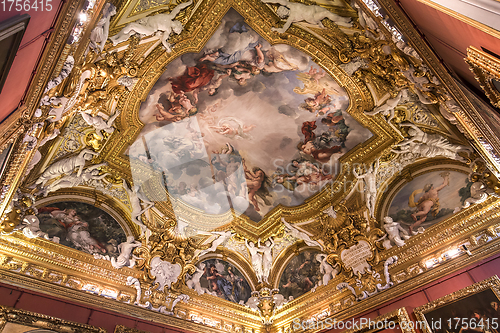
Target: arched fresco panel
(429,199)
(81,226)
(223,280)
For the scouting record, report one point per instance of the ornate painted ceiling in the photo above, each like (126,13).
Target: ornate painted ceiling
(239,164)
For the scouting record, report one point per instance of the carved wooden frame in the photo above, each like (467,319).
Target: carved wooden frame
(36,320)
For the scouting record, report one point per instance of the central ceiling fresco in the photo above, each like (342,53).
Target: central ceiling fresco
(245,125)
(236,165)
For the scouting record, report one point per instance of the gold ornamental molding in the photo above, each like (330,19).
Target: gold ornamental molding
(486,69)
(472,123)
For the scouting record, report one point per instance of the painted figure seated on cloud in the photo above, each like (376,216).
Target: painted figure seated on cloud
(75,229)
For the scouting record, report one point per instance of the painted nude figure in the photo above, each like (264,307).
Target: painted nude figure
(164,24)
(312,14)
(427,202)
(254,181)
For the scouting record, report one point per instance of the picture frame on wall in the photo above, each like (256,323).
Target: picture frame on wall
(20,321)
(393,322)
(11,33)
(473,309)
(4,158)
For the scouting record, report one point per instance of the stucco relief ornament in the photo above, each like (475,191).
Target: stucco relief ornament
(161,24)
(136,198)
(99,34)
(369,179)
(21,206)
(479,192)
(368,287)
(193,282)
(164,272)
(396,234)
(126,258)
(31,229)
(74,179)
(99,124)
(300,235)
(66,166)
(329,272)
(350,245)
(312,14)
(388,108)
(429,145)
(223,236)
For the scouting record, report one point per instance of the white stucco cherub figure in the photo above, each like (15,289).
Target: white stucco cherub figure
(99,34)
(100,124)
(370,179)
(387,109)
(395,232)
(162,24)
(312,14)
(300,235)
(125,249)
(135,197)
(326,269)
(132,281)
(66,166)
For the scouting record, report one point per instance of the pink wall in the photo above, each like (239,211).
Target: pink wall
(27,300)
